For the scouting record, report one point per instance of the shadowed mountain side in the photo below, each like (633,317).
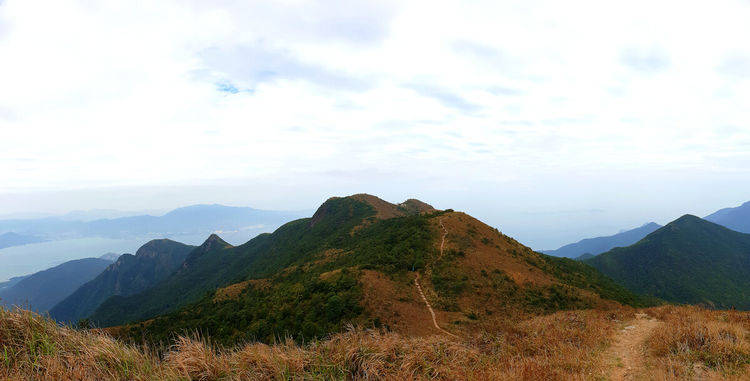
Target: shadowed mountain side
(12,282)
(690,260)
(131,274)
(42,290)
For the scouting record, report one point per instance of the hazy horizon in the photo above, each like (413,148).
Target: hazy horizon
(539,228)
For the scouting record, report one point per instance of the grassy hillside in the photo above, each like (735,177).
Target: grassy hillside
(130,275)
(689,343)
(42,290)
(688,261)
(356,260)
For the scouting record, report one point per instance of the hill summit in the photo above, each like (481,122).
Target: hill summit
(690,260)
(383,209)
(213,242)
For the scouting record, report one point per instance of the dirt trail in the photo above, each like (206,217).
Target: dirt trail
(421,293)
(626,355)
(429,307)
(442,243)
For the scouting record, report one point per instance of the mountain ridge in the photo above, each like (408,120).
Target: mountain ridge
(598,245)
(130,274)
(735,218)
(11,239)
(356,261)
(689,260)
(192,218)
(42,290)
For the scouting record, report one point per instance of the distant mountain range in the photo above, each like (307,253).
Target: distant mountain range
(598,245)
(130,275)
(737,219)
(12,239)
(42,290)
(187,220)
(690,260)
(80,239)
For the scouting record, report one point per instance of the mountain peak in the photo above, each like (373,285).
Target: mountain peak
(214,242)
(414,206)
(667,263)
(383,209)
(110,257)
(153,247)
(686,219)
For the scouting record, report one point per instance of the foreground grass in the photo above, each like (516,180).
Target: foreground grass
(564,345)
(699,343)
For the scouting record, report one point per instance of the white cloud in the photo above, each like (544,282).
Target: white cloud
(115,93)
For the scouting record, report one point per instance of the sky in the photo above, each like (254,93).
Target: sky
(553,121)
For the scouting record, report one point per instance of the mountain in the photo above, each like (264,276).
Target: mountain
(92,238)
(363,260)
(584,257)
(690,260)
(110,256)
(99,214)
(42,290)
(195,219)
(12,282)
(599,245)
(129,275)
(12,239)
(734,218)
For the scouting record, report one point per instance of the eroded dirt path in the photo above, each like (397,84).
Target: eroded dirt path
(421,293)
(429,307)
(442,243)
(626,356)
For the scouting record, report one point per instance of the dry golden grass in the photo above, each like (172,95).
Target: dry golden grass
(564,345)
(32,347)
(700,343)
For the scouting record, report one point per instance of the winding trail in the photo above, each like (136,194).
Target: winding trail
(442,243)
(429,307)
(419,286)
(626,355)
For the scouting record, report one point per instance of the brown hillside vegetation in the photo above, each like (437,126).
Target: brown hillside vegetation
(474,278)
(492,269)
(471,278)
(691,343)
